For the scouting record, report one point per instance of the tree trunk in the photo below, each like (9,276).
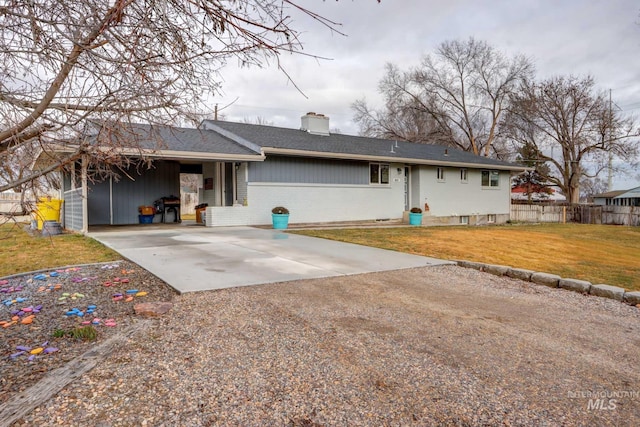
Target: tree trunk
(574,193)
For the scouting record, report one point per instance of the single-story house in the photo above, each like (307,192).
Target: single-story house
(618,198)
(319,176)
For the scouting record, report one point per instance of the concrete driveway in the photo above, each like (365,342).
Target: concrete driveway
(195,258)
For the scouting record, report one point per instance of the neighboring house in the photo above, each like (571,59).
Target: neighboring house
(320,177)
(537,193)
(618,198)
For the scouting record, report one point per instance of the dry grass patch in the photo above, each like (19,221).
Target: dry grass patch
(20,251)
(597,253)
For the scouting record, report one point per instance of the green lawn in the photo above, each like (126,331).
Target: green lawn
(597,253)
(22,252)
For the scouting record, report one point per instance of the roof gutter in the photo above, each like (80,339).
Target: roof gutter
(162,154)
(346,156)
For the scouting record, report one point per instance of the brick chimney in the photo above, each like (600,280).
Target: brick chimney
(316,124)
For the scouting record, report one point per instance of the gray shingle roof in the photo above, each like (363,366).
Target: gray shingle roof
(620,194)
(155,137)
(294,139)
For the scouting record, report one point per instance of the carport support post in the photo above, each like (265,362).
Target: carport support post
(85,194)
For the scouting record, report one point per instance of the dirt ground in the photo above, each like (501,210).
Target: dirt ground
(425,346)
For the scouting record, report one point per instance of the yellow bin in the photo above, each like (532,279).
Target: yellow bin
(48,209)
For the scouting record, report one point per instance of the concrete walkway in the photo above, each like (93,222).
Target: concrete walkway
(196,258)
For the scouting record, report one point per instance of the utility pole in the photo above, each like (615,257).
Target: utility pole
(610,165)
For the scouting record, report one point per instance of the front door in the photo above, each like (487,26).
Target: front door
(229,182)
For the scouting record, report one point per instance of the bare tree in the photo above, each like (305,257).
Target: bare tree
(455,97)
(572,128)
(66,63)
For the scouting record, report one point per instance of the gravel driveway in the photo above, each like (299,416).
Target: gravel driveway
(424,346)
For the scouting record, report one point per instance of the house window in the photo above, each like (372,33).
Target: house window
(440,174)
(491,218)
(378,173)
(463,175)
(490,178)
(464,219)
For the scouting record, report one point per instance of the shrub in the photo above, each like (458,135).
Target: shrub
(280,210)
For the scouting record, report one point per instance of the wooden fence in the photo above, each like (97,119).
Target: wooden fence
(584,214)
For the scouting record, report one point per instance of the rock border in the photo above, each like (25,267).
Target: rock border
(554,281)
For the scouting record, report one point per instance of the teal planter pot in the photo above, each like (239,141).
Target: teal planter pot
(280,221)
(415,218)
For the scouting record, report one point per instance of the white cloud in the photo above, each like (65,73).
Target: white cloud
(600,37)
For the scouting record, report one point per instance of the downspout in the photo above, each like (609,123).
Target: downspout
(111,200)
(85,195)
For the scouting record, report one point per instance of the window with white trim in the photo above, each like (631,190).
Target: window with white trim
(490,178)
(464,176)
(440,174)
(464,219)
(378,173)
(491,218)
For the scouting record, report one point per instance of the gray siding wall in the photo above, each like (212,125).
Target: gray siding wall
(98,203)
(309,171)
(148,185)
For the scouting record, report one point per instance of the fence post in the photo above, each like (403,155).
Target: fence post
(564,214)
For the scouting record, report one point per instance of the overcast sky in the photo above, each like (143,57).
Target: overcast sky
(596,37)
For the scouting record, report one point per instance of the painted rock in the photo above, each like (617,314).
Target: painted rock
(124,281)
(37,350)
(128,299)
(49,350)
(141,294)
(86,322)
(132,291)
(23,348)
(14,355)
(27,309)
